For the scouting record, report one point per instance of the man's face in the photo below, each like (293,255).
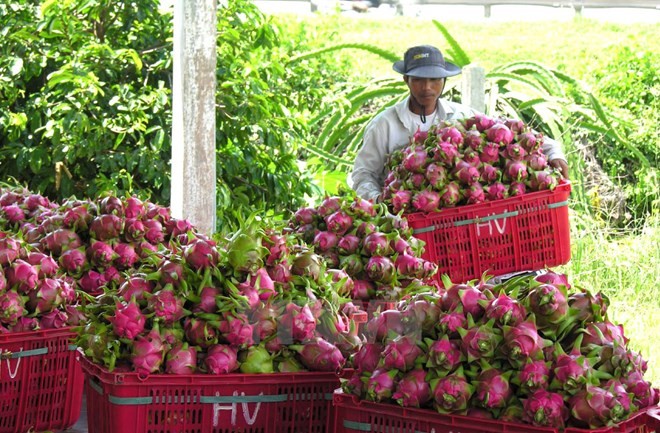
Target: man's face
(425,90)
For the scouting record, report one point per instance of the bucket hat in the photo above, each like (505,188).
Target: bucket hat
(425,61)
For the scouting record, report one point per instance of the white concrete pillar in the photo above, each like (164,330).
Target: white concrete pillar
(473,93)
(193,194)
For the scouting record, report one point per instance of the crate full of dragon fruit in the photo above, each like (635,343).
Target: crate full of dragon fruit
(41,382)
(521,233)
(225,403)
(353,415)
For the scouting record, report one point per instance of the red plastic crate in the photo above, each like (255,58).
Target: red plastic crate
(41,382)
(204,403)
(524,233)
(352,416)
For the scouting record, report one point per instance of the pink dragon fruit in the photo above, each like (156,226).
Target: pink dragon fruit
(401,353)
(413,390)
(325,241)
(297,323)
(516,170)
(444,355)
(22,276)
(451,134)
(475,194)
(362,208)
(46,297)
(73,261)
(571,372)
(497,191)
(134,208)
(46,264)
(125,256)
(154,231)
(201,254)
(588,307)
(601,333)
(499,133)
(532,375)
(436,175)
(445,153)
(415,159)
(363,289)
(549,304)
(221,359)
(492,389)
(517,189)
(480,341)
(376,243)
(55,319)
(12,307)
(489,174)
(450,322)
(166,306)
(480,122)
(385,324)
(339,222)
(529,141)
(522,342)
(401,200)
(537,161)
(148,353)
(514,152)
(505,310)
(541,180)
(106,227)
(367,357)
(642,393)
(100,254)
(380,269)
(545,409)
(136,286)
(92,282)
(199,332)
(381,385)
(490,153)
(419,136)
(10,250)
(473,139)
(13,213)
(236,329)
(466,173)
(60,240)
(128,320)
(319,355)
(426,200)
(451,393)
(25,324)
(450,195)
(594,407)
(348,244)
(181,359)
(134,230)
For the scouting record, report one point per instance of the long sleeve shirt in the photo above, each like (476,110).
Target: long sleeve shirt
(393,128)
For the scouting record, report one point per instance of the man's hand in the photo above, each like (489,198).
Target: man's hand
(560,165)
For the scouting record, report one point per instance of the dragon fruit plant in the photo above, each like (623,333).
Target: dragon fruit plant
(487,355)
(462,162)
(374,249)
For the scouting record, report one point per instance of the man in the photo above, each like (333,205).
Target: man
(424,71)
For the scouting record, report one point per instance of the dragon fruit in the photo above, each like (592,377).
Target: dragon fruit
(325,241)
(125,256)
(496,191)
(148,353)
(595,407)
(450,194)
(166,306)
(55,319)
(181,359)
(401,200)
(522,342)
(505,310)
(444,355)
(445,153)
(452,393)
(380,269)
(492,388)
(415,159)
(401,353)
(47,296)
(100,254)
(73,261)
(199,332)
(426,200)
(201,254)
(480,341)
(319,355)
(106,227)
(134,230)
(499,133)
(436,175)
(221,359)
(22,276)
(450,322)
(385,324)
(12,307)
(533,375)
(236,329)
(367,357)
(47,266)
(297,323)
(128,320)
(381,385)
(545,409)
(340,222)
(412,390)
(480,122)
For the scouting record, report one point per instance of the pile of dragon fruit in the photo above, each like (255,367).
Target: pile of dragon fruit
(469,161)
(147,292)
(531,350)
(371,250)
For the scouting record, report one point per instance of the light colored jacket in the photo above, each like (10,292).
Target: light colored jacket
(392,129)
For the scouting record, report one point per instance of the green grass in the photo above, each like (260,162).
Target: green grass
(624,265)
